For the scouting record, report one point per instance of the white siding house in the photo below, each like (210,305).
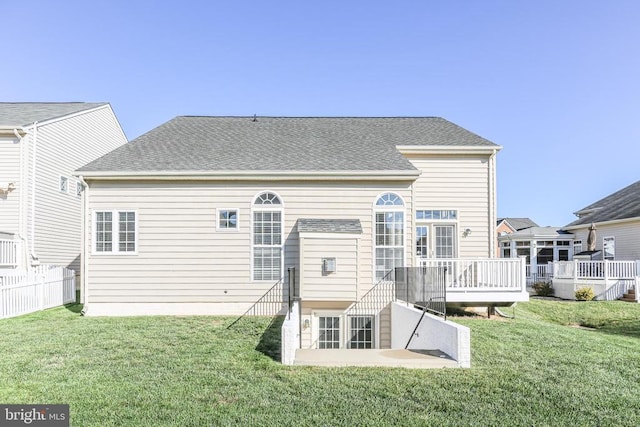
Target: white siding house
(616,219)
(41,144)
(204,215)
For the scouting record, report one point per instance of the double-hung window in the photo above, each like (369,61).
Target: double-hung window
(389,234)
(115,232)
(267,237)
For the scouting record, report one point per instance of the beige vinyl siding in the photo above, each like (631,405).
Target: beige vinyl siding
(463,183)
(62,147)
(10,172)
(627,236)
(182,258)
(340,285)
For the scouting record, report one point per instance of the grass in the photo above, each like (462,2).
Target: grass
(192,371)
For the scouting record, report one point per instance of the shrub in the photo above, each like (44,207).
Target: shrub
(543,288)
(585,294)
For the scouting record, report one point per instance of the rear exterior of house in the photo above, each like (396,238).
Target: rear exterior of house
(204,215)
(41,144)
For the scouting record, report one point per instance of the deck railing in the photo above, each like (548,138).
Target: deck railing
(481,274)
(10,251)
(589,270)
(541,272)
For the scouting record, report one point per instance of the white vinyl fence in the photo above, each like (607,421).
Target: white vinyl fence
(36,288)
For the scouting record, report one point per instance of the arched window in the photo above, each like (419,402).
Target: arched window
(389,199)
(389,234)
(267,239)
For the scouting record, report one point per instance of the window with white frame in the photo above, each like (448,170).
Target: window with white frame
(227,219)
(79,188)
(436,233)
(444,241)
(64,184)
(577,246)
(389,234)
(115,232)
(360,332)
(329,332)
(267,237)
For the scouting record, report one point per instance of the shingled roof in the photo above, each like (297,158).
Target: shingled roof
(622,204)
(518,223)
(318,225)
(219,144)
(26,113)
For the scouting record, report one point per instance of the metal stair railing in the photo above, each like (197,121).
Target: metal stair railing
(376,298)
(271,303)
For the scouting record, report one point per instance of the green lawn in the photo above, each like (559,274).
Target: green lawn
(191,371)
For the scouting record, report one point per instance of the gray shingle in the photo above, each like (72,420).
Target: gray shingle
(25,113)
(622,204)
(282,144)
(317,225)
(519,223)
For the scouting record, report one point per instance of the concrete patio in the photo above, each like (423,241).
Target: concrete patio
(391,358)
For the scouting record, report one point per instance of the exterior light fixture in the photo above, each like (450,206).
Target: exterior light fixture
(466,232)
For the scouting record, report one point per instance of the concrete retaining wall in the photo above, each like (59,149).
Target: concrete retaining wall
(434,333)
(290,335)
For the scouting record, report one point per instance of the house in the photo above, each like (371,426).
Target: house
(616,219)
(41,144)
(511,225)
(606,249)
(206,215)
(539,246)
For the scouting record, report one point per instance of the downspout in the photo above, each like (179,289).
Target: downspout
(22,220)
(34,258)
(493,197)
(84,264)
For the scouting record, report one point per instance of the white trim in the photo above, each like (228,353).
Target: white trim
(265,208)
(67,181)
(230,229)
(391,207)
(431,234)
(253,175)
(115,221)
(387,208)
(441,149)
(611,222)
(71,115)
(315,325)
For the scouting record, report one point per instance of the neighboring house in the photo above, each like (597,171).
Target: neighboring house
(511,225)
(617,225)
(41,144)
(204,215)
(539,246)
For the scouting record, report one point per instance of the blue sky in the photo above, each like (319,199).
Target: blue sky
(556,83)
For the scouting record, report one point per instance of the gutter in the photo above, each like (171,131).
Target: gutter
(440,149)
(251,175)
(34,257)
(611,222)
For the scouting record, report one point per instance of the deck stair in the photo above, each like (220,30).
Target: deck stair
(629,296)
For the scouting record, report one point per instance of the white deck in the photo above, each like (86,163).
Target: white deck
(483,281)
